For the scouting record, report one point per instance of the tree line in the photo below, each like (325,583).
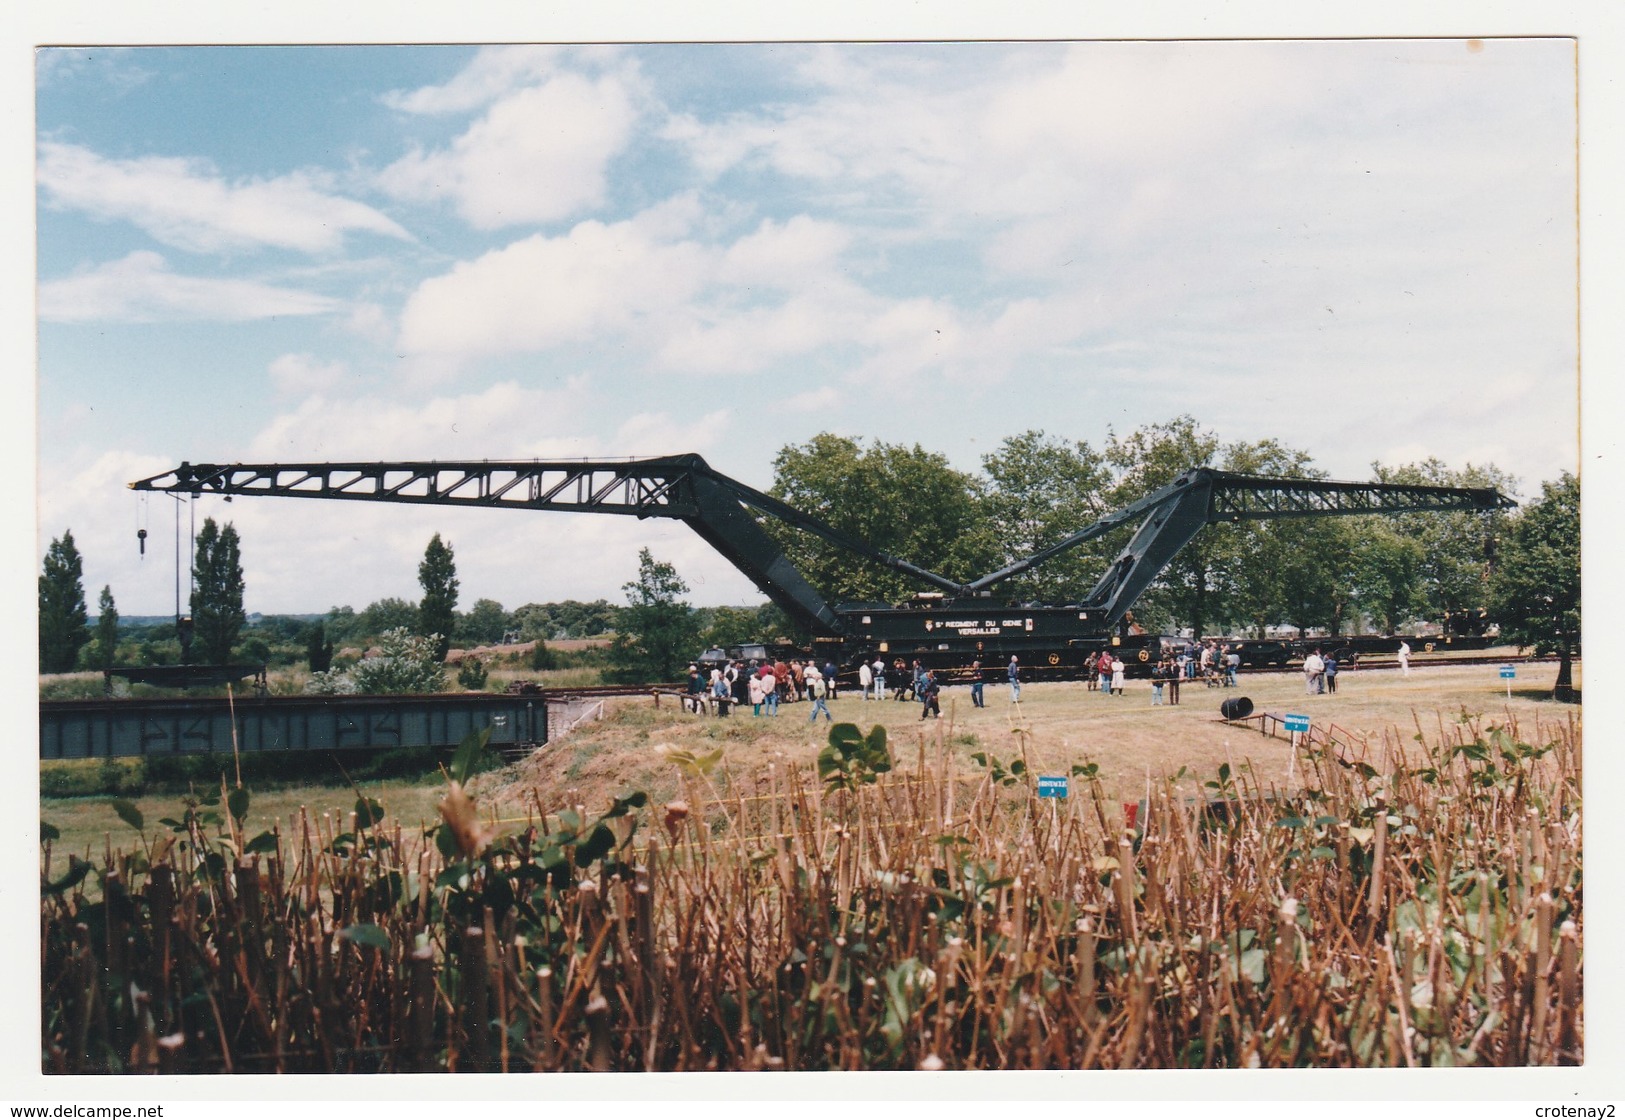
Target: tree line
(1333,574)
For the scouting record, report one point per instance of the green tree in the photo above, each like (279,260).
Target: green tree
(1537,584)
(1042,491)
(437,615)
(1389,573)
(340,623)
(62,614)
(659,633)
(1458,549)
(217,593)
(721,627)
(106,629)
(486,622)
(901,500)
(318,649)
(1298,570)
(569,619)
(383,615)
(541,657)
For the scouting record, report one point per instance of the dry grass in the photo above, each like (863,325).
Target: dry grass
(1424,911)
(1131,741)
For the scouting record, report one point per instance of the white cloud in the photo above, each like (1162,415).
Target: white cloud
(785,255)
(371,322)
(139,288)
(495,72)
(302,374)
(542,291)
(538,154)
(187,204)
(504,421)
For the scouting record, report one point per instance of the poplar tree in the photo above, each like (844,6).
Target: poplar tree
(62,614)
(106,629)
(437,615)
(217,593)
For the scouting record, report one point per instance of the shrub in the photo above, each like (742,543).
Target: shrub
(405,663)
(472,674)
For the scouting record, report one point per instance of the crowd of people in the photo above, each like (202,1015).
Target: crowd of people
(765,685)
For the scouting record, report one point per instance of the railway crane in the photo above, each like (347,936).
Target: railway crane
(947,627)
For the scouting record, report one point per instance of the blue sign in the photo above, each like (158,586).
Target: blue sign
(1508,673)
(1295,723)
(1052,787)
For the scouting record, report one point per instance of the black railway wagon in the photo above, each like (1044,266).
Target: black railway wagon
(135,728)
(1050,642)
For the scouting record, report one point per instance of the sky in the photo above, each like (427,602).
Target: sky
(1366,249)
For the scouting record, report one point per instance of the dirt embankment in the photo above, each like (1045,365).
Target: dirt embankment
(1054,727)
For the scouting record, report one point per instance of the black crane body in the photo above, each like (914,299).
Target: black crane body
(948,627)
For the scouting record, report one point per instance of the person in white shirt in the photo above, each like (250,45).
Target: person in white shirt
(1313,667)
(866,678)
(1404,658)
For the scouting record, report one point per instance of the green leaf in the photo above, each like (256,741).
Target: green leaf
(1291,822)
(368,812)
(77,870)
(828,762)
(48,831)
(877,741)
(264,842)
(468,754)
(846,738)
(1018,767)
(365,933)
(1224,772)
(129,814)
(596,846)
(446,841)
(620,806)
(237,803)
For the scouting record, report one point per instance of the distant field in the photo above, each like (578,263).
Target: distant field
(1065,725)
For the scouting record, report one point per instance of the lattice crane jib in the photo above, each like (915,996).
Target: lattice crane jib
(718,508)
(682,487)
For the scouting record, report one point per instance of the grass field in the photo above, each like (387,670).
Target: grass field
(1056,726)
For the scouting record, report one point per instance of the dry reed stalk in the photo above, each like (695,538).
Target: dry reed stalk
(1568,1042)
